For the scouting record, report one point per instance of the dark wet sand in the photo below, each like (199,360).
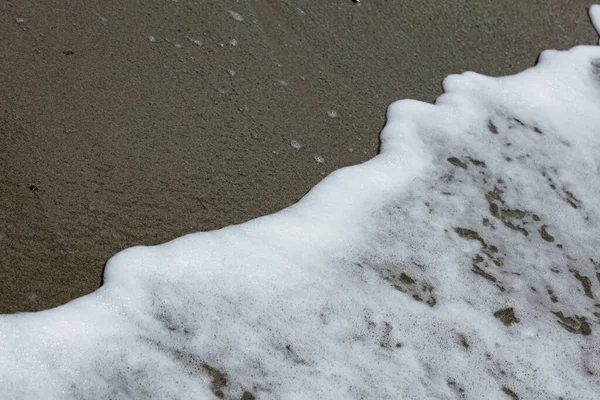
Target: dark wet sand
(109,140)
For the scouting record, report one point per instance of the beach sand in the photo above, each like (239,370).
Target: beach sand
(133,123)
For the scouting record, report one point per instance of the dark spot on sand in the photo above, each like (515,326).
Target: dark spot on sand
(492,127)
(407,284)
(463,340)
(518,121)
(219,380)
(457,163)
(484,274)
(545,235)
(406,279)
(247,396)
(506,215)
(469,235)
(488,250)
(553,297)
(477,163)
(585,282)
(572,200)
(510,393)
(452,383)
(575,324)
(507,316)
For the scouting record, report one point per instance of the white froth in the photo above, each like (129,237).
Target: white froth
(461,262)
(595,17)
(236,16)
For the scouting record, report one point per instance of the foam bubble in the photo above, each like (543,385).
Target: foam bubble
(236,16)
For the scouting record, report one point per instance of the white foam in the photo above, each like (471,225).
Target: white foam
(460,262)
(236,16)
(595,17)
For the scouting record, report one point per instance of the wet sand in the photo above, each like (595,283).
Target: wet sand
(109,139)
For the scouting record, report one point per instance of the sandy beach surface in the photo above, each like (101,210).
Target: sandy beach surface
(133,123)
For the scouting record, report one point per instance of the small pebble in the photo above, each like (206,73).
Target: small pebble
(319,159)
(332,114)
(295,144)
